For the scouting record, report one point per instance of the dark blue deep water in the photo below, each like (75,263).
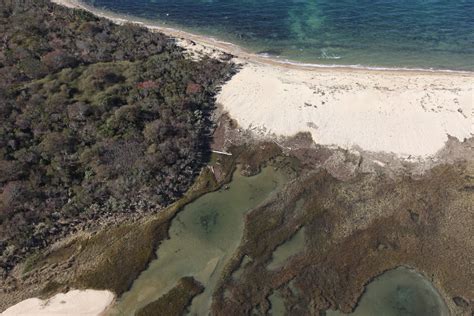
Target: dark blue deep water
(385,33)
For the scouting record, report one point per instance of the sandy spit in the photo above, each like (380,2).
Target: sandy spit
(409,113)
(72,303)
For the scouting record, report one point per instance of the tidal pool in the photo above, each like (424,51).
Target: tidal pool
(277,304)
(399,292)
(203,236)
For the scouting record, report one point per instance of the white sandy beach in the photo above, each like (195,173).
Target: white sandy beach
(394,112)
(72,303)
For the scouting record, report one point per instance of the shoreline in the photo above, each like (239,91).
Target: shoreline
(240,52)
(407,114)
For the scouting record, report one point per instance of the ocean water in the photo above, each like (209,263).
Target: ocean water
(431,34)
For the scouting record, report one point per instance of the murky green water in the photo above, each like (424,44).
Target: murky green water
(399,292)
(290,248)
(202,238)
(206,233)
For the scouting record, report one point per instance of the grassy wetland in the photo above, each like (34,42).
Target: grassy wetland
(348,232)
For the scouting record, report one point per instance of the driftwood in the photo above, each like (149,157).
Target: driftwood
(221,152)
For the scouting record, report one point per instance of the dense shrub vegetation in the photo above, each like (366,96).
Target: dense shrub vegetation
(97,120)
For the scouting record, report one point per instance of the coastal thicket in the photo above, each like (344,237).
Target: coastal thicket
(98,121)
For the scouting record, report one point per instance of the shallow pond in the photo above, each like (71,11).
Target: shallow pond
(277,305)
(203,236)
(399,292)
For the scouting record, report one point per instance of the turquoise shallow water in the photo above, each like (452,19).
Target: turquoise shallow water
(435,34)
